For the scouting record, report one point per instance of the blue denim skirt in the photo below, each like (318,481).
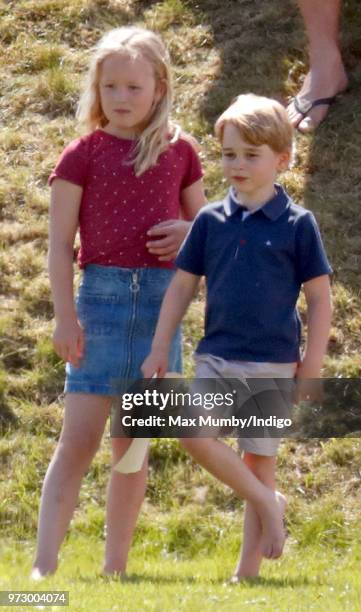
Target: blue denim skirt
(118,309)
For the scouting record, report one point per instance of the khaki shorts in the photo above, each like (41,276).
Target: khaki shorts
(209,366)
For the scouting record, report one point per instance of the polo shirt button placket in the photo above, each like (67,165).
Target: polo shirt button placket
(241,243)
(241,240)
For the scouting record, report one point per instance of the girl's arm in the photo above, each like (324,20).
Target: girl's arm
(174,231)
(192,200)
(319,313)
(68,336)
(175,303)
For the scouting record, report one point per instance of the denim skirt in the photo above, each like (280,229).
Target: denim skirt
(118,309)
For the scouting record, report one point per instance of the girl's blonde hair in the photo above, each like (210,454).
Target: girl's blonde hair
(134,43)
(259,120)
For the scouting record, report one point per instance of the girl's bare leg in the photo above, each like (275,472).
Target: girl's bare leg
(125,496)
(225,464)
(84,421)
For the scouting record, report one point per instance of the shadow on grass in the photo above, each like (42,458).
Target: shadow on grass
(263,49)
(263,43)
(8,419)
(254,40)
(333,185)
(172,578)
(333,192)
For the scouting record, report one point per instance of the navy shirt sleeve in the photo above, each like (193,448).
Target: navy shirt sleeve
(311,258)
(191,257)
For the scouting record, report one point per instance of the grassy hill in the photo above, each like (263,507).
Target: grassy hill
(218,49)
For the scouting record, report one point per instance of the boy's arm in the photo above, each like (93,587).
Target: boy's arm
(64,212)
(175,303)
(319,313)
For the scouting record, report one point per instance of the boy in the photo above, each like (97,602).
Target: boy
(256,249)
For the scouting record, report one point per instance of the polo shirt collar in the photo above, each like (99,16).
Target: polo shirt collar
(272,209)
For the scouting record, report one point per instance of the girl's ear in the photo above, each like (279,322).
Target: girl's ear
(160,90)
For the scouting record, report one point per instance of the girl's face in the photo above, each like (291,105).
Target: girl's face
(128,94)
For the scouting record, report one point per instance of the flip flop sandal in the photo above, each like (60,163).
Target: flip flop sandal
(304,107)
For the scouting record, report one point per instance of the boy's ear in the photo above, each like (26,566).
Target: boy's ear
(284,160)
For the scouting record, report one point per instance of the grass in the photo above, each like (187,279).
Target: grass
(318,579)
(188,536)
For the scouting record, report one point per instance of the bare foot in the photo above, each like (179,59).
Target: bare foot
(322,81)
(238,579)
(244,575)
(37,575)
(274,535)
(114,574)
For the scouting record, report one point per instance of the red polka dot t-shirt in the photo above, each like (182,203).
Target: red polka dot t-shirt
(117,207)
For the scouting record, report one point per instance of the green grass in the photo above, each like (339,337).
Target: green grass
(319,579)
(188,535)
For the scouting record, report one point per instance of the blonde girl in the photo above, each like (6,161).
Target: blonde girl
(131,185)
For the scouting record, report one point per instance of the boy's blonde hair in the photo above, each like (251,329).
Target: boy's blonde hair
(134,43)
(259,120)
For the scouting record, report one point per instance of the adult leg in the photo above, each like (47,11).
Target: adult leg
(251,554)
(84,421)
(125,496)
(327,76)
(225,464)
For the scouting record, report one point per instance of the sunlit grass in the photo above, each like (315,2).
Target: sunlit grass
(319,579)
(189,532)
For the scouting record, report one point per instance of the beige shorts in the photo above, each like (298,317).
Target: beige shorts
(209,366)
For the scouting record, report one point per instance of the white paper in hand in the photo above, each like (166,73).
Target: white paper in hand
(133,459)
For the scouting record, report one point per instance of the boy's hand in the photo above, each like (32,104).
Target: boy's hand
(171,234)
(155,363)
(68,341)
(308,384)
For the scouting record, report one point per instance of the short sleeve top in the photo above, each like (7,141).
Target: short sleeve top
(254,267)
(117,207)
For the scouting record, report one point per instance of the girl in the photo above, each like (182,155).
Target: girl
(128,180)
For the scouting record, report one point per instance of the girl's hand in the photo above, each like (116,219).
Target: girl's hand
(68,341)
(308,384)
(172,234)
(155,363)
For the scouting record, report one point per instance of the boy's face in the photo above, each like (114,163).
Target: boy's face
(251,169)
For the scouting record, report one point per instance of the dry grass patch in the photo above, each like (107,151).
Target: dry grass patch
(217,54)
(214,57)
(169,13)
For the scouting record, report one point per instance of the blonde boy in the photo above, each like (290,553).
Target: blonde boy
(256,249)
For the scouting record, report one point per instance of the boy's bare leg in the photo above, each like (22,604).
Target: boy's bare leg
(225,464)
(264,468)
(124,499)
(84,421)
(327,75)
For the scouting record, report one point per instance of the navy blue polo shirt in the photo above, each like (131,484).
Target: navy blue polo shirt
(254,270)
